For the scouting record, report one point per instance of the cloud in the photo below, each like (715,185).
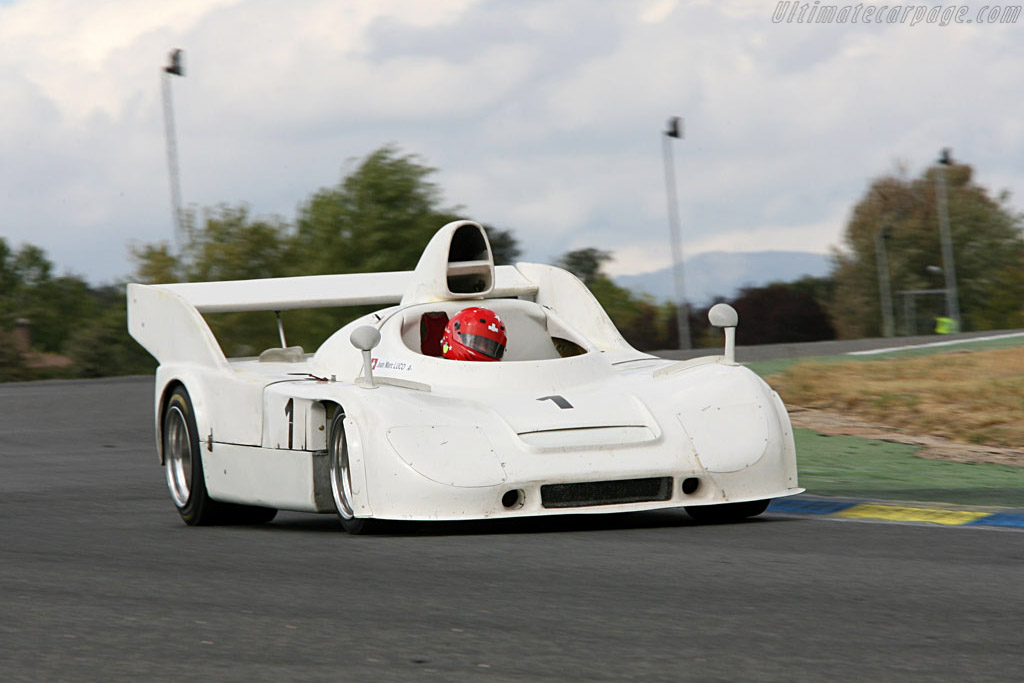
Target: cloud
(542,116)
(632,258)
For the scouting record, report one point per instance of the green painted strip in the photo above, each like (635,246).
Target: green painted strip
(856,468)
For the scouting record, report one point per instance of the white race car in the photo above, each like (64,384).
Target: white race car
(378,425)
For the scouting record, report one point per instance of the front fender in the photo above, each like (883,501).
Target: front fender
(730,416)
(357,468)
(404,443)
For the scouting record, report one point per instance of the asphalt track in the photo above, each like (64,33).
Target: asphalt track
(99,580)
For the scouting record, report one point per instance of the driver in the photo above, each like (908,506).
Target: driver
(474,334)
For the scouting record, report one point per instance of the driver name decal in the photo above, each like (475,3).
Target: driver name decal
(395,365)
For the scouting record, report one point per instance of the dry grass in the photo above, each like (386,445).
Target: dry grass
(969,396)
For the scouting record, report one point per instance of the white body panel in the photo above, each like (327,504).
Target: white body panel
(268,477)
(440,439)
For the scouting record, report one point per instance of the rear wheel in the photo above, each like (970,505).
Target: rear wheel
(341,478)
(727,512)
(183,463)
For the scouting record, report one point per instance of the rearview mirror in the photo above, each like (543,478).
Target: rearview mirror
(365,338)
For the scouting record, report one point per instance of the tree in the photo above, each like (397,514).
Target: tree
(648,325)
(101,345)
(378,218)
(986,237)
(233,246)
(644,324)
(156,264)
(54,306)
(504,245)
(63,314)
(228,244)
(12,361)
(586,264)
(781,313)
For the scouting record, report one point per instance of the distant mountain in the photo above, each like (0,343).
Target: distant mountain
(720,273)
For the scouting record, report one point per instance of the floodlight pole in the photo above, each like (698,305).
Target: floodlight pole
(174,67)
(884,290)
(948,265)
(675,130)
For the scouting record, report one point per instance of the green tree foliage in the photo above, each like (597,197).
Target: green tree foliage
(378,218)
(776,313)
(12,362)
(233,246)
(156,264)
(504,245)
(987,247)
(53,306)
(63,316)
(782,312)
(101,345)
(56,308)
(586,264)
(644,324)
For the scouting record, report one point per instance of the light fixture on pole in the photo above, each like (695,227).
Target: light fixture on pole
(175,67)
(675,130)
(948,265)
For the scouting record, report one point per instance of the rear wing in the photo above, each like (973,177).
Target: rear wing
(167,319)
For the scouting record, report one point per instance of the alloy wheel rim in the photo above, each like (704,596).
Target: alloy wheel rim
(178,454)
(341,484)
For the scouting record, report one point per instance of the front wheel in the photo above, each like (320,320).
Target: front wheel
(184,465)
(726,512)
(341,478)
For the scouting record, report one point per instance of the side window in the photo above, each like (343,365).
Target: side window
(567,348)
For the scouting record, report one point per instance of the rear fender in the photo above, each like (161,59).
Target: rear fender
(227,408)
(167,380)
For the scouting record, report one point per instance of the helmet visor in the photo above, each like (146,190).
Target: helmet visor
(488,347)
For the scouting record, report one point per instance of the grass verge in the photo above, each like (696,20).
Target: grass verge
(972,397)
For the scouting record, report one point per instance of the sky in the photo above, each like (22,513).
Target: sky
(544,117)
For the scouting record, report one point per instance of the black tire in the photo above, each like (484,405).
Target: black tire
(341,478)
(726,512)
(183,462)
(246,514)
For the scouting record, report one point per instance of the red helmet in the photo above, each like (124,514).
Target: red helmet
(474,334)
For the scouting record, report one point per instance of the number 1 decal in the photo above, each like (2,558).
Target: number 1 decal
(558,401)
(289,410)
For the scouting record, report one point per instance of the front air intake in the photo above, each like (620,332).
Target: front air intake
(591,493)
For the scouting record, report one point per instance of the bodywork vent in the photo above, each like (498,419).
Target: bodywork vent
(606,492)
